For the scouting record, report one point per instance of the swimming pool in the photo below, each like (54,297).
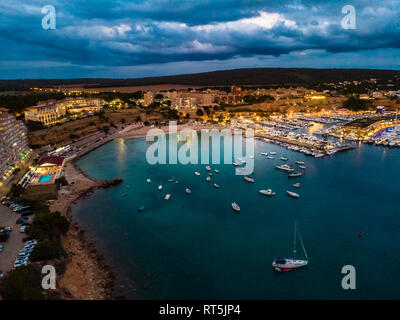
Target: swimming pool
(45,178)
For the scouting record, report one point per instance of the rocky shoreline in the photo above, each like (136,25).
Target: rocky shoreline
(87,275)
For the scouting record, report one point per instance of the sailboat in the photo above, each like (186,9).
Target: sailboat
(288,264)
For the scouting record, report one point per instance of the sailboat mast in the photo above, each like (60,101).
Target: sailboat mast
(302,244)
(294,241)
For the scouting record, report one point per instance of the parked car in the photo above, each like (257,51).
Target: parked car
(27,239)
(22,220)
(22,229)
(1,247)
(26,213)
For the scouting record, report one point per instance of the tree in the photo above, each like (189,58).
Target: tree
(355,104)
(199,112)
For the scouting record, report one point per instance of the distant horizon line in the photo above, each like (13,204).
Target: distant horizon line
(204,72)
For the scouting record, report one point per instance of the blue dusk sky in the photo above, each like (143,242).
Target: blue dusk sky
(130,39)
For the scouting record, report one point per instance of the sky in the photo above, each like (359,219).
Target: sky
(131,39)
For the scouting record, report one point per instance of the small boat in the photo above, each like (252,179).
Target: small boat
(176,182)
(188,191)
(160,187)
(235,164)
(148,180)
(235,207)
(171,179)
(197,173)
(208,179)
(216,171)
(295,174)
(302,167)
(248,179)
(283,264)
(210,174)
(167,196)
(267,192)
(124,194)
(216,185)
(270,157)
(284,167)
(272,152)
(264,153)
(208,168)
(293,194)
(296,185)
(284,159)
(299,162)
(141,209)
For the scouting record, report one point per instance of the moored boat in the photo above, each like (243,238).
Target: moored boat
(216,185)
(148,180)
(295,174)
(208,168)
(216,171)
(248,179)
(267,192)
(167,197)
(284,167)
(160,187)
(296,185)
(188,191)
(208,179)
(235,207)
(293,194)
(197,173)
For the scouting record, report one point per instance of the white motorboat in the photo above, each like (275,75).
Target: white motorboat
(264,153)
(235,164)
(167,197)
(293,194)
(295,174)
(235,207)
(160,187)
(267,192)
(284,167)
(208,179)
(171,179)
(208,168)
(197,173)
(299,162)
(272,152)
(288,264)
(188,191)
(270,157)
(216,171)
(284,159)
(216,185)
(296,185)
(148,180)
(248,179)
(210,174)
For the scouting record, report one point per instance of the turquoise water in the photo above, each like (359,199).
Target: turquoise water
(194,246)
(45,178)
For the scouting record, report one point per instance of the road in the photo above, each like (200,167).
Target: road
(14,242)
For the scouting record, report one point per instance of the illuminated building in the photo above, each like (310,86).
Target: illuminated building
(13,143)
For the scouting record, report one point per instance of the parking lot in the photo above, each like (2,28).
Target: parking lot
(14,242)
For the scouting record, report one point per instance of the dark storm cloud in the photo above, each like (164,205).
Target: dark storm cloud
(107,34)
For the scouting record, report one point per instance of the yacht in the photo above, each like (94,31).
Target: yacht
(267,192)
(167,196)
(264,153)
(216,171)
(296,185)
(160,187)
(197,173)
(284,159)
(293,194)
(208,179)
(272,152)
(284,167)
(148,180)
(295,174)
(188,191)
(302,167)
(208,168)
(270,157)
(284,264)
(299,162)
(248,179)
(216,185)
(235,207)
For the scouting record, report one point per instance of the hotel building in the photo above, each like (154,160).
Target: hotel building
(52,111)
(47,112)
(14,146)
